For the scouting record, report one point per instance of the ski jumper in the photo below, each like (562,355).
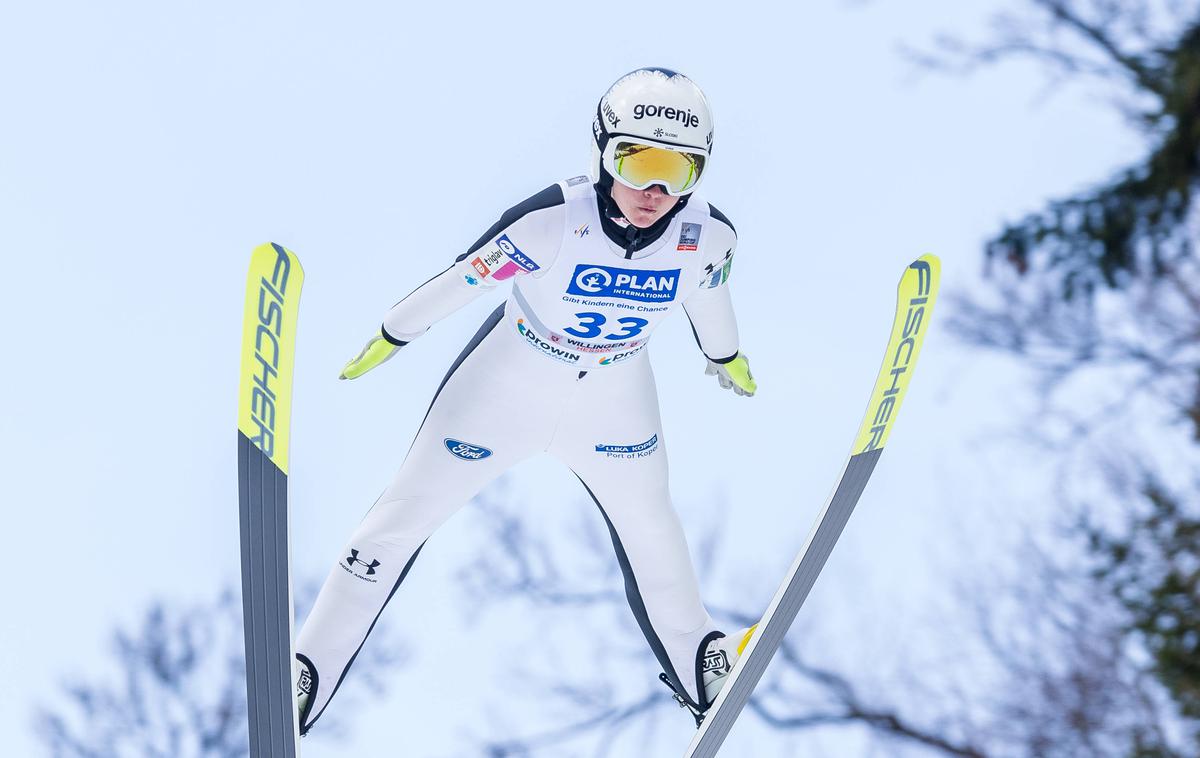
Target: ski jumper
(572,335)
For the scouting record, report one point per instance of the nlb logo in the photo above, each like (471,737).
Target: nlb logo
(514,253)
(685,117)
(267,350)
(465,450)
(626,284)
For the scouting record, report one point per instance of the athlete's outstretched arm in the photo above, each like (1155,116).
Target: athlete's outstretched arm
(713,322)
(535,222)
(710,311)
(433,301)
(710,308)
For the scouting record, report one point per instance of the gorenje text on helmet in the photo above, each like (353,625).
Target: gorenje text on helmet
(685,117)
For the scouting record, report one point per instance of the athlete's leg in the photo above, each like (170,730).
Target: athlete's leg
(614,444)
(475,429)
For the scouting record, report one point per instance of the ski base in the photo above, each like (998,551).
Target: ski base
(268,350)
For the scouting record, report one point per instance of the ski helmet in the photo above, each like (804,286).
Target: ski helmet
(653,126)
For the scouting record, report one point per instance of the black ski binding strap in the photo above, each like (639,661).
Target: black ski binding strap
(683,701)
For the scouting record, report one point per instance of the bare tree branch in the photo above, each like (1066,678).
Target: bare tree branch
(178,689)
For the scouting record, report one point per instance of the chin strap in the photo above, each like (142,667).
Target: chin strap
(628,236)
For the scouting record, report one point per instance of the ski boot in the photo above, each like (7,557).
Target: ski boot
(306,681)
(714,661)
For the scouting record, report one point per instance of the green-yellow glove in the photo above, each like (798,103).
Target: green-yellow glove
(734,375)
(377,351)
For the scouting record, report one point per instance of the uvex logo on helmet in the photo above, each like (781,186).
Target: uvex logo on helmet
(683,116)
(611,114)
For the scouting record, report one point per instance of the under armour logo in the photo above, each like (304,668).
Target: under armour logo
(717,662)
(353,559)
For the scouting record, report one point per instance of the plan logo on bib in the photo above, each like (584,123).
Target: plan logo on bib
(624,283)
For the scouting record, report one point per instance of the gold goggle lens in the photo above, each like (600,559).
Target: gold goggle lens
(642,165)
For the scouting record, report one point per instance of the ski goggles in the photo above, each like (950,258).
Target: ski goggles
(638,165)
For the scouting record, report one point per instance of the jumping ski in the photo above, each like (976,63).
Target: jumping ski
(264,413)
(917,293)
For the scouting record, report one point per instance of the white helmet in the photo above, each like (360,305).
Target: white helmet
(653,126)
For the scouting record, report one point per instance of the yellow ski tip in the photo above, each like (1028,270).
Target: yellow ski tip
(915,298)
(268,349)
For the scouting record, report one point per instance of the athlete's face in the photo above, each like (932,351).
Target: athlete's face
(642,207)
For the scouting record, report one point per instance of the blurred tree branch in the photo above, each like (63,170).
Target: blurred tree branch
(1138,228)
(1099,292)
(179,689)
(1047,658)
(1153,568)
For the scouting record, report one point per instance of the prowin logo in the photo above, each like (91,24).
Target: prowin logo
(685,117)
(267,350)
(620,357)
(903,357)
(548,348)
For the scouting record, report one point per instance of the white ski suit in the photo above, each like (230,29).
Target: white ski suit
(571,338)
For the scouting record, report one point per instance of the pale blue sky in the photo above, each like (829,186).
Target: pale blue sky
(145,148)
